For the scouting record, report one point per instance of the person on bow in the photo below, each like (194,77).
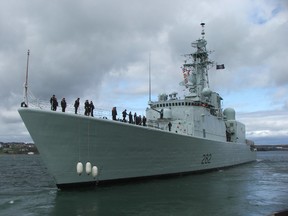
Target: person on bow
(114,113)
(54,103)
(87,108)
(124,114)
(76,105)
(63,104)
(91,105)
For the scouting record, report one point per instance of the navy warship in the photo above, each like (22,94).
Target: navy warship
(182,135)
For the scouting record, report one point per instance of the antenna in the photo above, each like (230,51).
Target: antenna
(149,77)
(26,81)
(203,32)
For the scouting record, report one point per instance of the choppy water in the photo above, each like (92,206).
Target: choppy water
(259,188)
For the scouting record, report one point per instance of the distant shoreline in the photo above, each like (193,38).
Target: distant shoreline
(272,147)
(18,148)
(30,148)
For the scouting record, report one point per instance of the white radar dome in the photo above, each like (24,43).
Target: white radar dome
(206,92)
(229,113)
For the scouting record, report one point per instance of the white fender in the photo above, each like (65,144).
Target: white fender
(94,171)
(79,168)
(88,168)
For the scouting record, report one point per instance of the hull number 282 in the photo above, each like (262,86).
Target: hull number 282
(206,159)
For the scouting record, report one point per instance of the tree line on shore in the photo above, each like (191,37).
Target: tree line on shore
(272,147)
(18,148)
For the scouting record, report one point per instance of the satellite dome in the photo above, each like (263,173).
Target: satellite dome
(206,92)
(229,113)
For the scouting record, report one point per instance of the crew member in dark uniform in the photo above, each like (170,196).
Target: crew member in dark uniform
(54,103)
(169,126)
(114,113)
(124,114)
(138,120)
(91,108)
(144,120)
(63,104)
(130,118)
(135,118)
(76,105)
(87,108)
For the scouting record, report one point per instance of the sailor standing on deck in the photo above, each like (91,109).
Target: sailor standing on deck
(76,105)
(130,118)
(124,114)
(114,113)
(169,126)
(63,104)
(144,121)
(87,108)
(54,103)
(91,108)
(135,118)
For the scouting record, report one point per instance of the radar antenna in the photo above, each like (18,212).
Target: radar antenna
(195,69)
(203,30)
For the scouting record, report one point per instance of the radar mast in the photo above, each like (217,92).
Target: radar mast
(195,69)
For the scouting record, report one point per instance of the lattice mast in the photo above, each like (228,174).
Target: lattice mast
(195,68)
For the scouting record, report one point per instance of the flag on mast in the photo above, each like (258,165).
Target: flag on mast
(221,66)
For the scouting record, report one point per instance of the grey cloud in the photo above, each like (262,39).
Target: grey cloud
(77,47)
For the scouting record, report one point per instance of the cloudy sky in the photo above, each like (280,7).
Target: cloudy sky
(99,50)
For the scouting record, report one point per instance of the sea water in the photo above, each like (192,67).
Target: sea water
(258,188)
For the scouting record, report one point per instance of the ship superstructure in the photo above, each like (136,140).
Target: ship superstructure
(185,135)
(200,113)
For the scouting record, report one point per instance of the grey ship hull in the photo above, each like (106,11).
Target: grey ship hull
(120,150)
